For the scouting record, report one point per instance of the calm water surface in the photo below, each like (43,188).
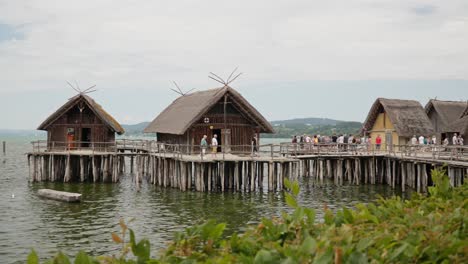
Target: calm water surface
(27,221)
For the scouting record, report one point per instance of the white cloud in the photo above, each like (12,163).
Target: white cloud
(146,44)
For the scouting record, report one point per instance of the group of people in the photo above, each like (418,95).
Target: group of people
(422,140)
(368,140)
(318,139)
(214,144)
(457,140)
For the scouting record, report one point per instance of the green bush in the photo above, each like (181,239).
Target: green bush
(425,229)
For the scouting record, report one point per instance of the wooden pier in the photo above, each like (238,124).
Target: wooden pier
(239,168)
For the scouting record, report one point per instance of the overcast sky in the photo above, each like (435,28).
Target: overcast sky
(299,58)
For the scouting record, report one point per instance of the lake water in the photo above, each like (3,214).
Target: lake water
(27,221)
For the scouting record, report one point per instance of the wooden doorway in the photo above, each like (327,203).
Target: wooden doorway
(217,132)
(85,137)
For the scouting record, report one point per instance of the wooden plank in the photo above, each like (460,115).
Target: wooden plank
(59,196)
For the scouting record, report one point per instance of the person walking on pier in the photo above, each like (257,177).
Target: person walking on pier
(378,142)
(455,139)
(254,144)
(214,144)
(204,145)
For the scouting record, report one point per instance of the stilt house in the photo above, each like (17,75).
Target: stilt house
(80,123)
(222,111)
(442,115)
(397,121)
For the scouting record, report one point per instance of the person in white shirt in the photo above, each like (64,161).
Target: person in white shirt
(214,143)
(421,140)
(460,140)
(446,142)
(455,139)
(414,140)
(434,140)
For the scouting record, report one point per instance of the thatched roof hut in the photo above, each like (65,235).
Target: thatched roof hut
(443,113)
(80,119)
(209,112)
(398,120)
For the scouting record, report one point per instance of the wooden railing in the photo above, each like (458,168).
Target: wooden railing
(61,146)
(272,150)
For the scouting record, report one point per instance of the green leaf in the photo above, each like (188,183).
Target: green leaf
(83,258)
(218,231)
(295,188)
(33,258)
(364,243)
(290,200)
(395,254)
(309,246)
(325,258)
(310,213)
(287,183)
(143,251)
(61,259)
(357,258)
(263,256)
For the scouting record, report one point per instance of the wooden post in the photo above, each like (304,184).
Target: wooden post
(222,174)
(67,177)
(403,176)
(252,176)
(82,169)
(4,148)
(210,170)
(236,176)
(270,176)
(321,171)
(52,168)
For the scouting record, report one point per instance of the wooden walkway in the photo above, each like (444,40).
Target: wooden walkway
(245,167)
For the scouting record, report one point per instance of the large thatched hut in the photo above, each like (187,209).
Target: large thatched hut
(443,114)
(222,111)
(397,121)
(80,123)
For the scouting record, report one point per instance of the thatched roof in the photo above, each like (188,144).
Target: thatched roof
(449,111)
(95,107)
(407,116)
(460,125)
(186,110)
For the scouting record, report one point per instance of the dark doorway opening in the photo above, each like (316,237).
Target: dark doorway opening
(218,133)
(85,137)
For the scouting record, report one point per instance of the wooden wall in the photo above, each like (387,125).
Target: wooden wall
(57,131)
(242,128)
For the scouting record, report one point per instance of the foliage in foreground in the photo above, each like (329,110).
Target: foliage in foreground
(424,230)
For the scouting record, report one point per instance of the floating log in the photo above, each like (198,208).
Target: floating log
(59,196)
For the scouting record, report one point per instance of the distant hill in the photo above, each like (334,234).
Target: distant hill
(285,128)
(314,121)
(313,126)
(134,130)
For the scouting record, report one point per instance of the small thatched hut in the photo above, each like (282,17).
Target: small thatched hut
(396,121)
(459,126)
(442,114)
(222,111)
(80,123)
